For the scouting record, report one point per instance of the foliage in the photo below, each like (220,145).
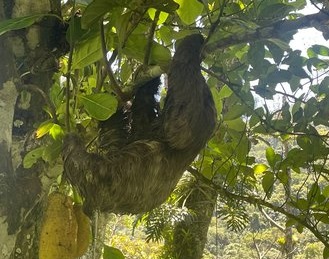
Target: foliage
(249,65)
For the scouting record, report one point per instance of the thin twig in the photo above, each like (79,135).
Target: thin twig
(46,99)
(115,85)
(217,22)
(68,76)
(150,38)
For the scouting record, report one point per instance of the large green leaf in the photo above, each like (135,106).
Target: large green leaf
(135,48)
(97,9)
(189,10)
(99,106)
(21,22)
(112,253)
(87,52)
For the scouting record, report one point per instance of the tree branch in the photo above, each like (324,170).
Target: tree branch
(114,82)
(150,38)
(272,221)
(259,202)
(276,30)
(46,99)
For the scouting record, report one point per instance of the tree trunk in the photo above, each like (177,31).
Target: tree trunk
(26,61)
(190,235)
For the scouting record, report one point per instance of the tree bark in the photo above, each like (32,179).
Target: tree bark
(26,60)
(190,235)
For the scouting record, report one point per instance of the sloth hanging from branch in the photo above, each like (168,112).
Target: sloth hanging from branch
(142,164)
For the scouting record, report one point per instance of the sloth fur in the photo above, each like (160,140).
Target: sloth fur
(145,151)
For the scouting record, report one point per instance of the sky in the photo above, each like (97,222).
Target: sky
(307,37)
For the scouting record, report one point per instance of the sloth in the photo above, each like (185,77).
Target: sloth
(146,150)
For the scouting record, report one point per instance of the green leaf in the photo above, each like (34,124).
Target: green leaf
(319,50)
(302,204)
(237,124)
(167,6)
(52,151)
(279,76)
(270,156)
(217,100)
(274,10)
(189,10)
(313,193)
(74,32)
(44,128)
(322,217)
(260,168)
(135,48)
(162,16)
(326,253)
(225,92)
(112,253)
(21,22)
(283,177)
(300,228)
(99,106)
(125,72)
(256,55)
(87,52)
(56,132)
(234,112)
(325,191)
(32,157)
(97,9)
(268,183)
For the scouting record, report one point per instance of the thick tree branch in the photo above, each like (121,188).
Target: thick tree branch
(276,30)
(259,202)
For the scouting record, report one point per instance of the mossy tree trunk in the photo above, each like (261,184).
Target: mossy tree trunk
(190,235)
(26,69)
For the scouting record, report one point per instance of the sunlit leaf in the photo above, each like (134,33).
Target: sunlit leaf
(162,16)
(260,168)
(44,128)
(32,157)
(225,92)
(318,50)
(189,10)
(56,132)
